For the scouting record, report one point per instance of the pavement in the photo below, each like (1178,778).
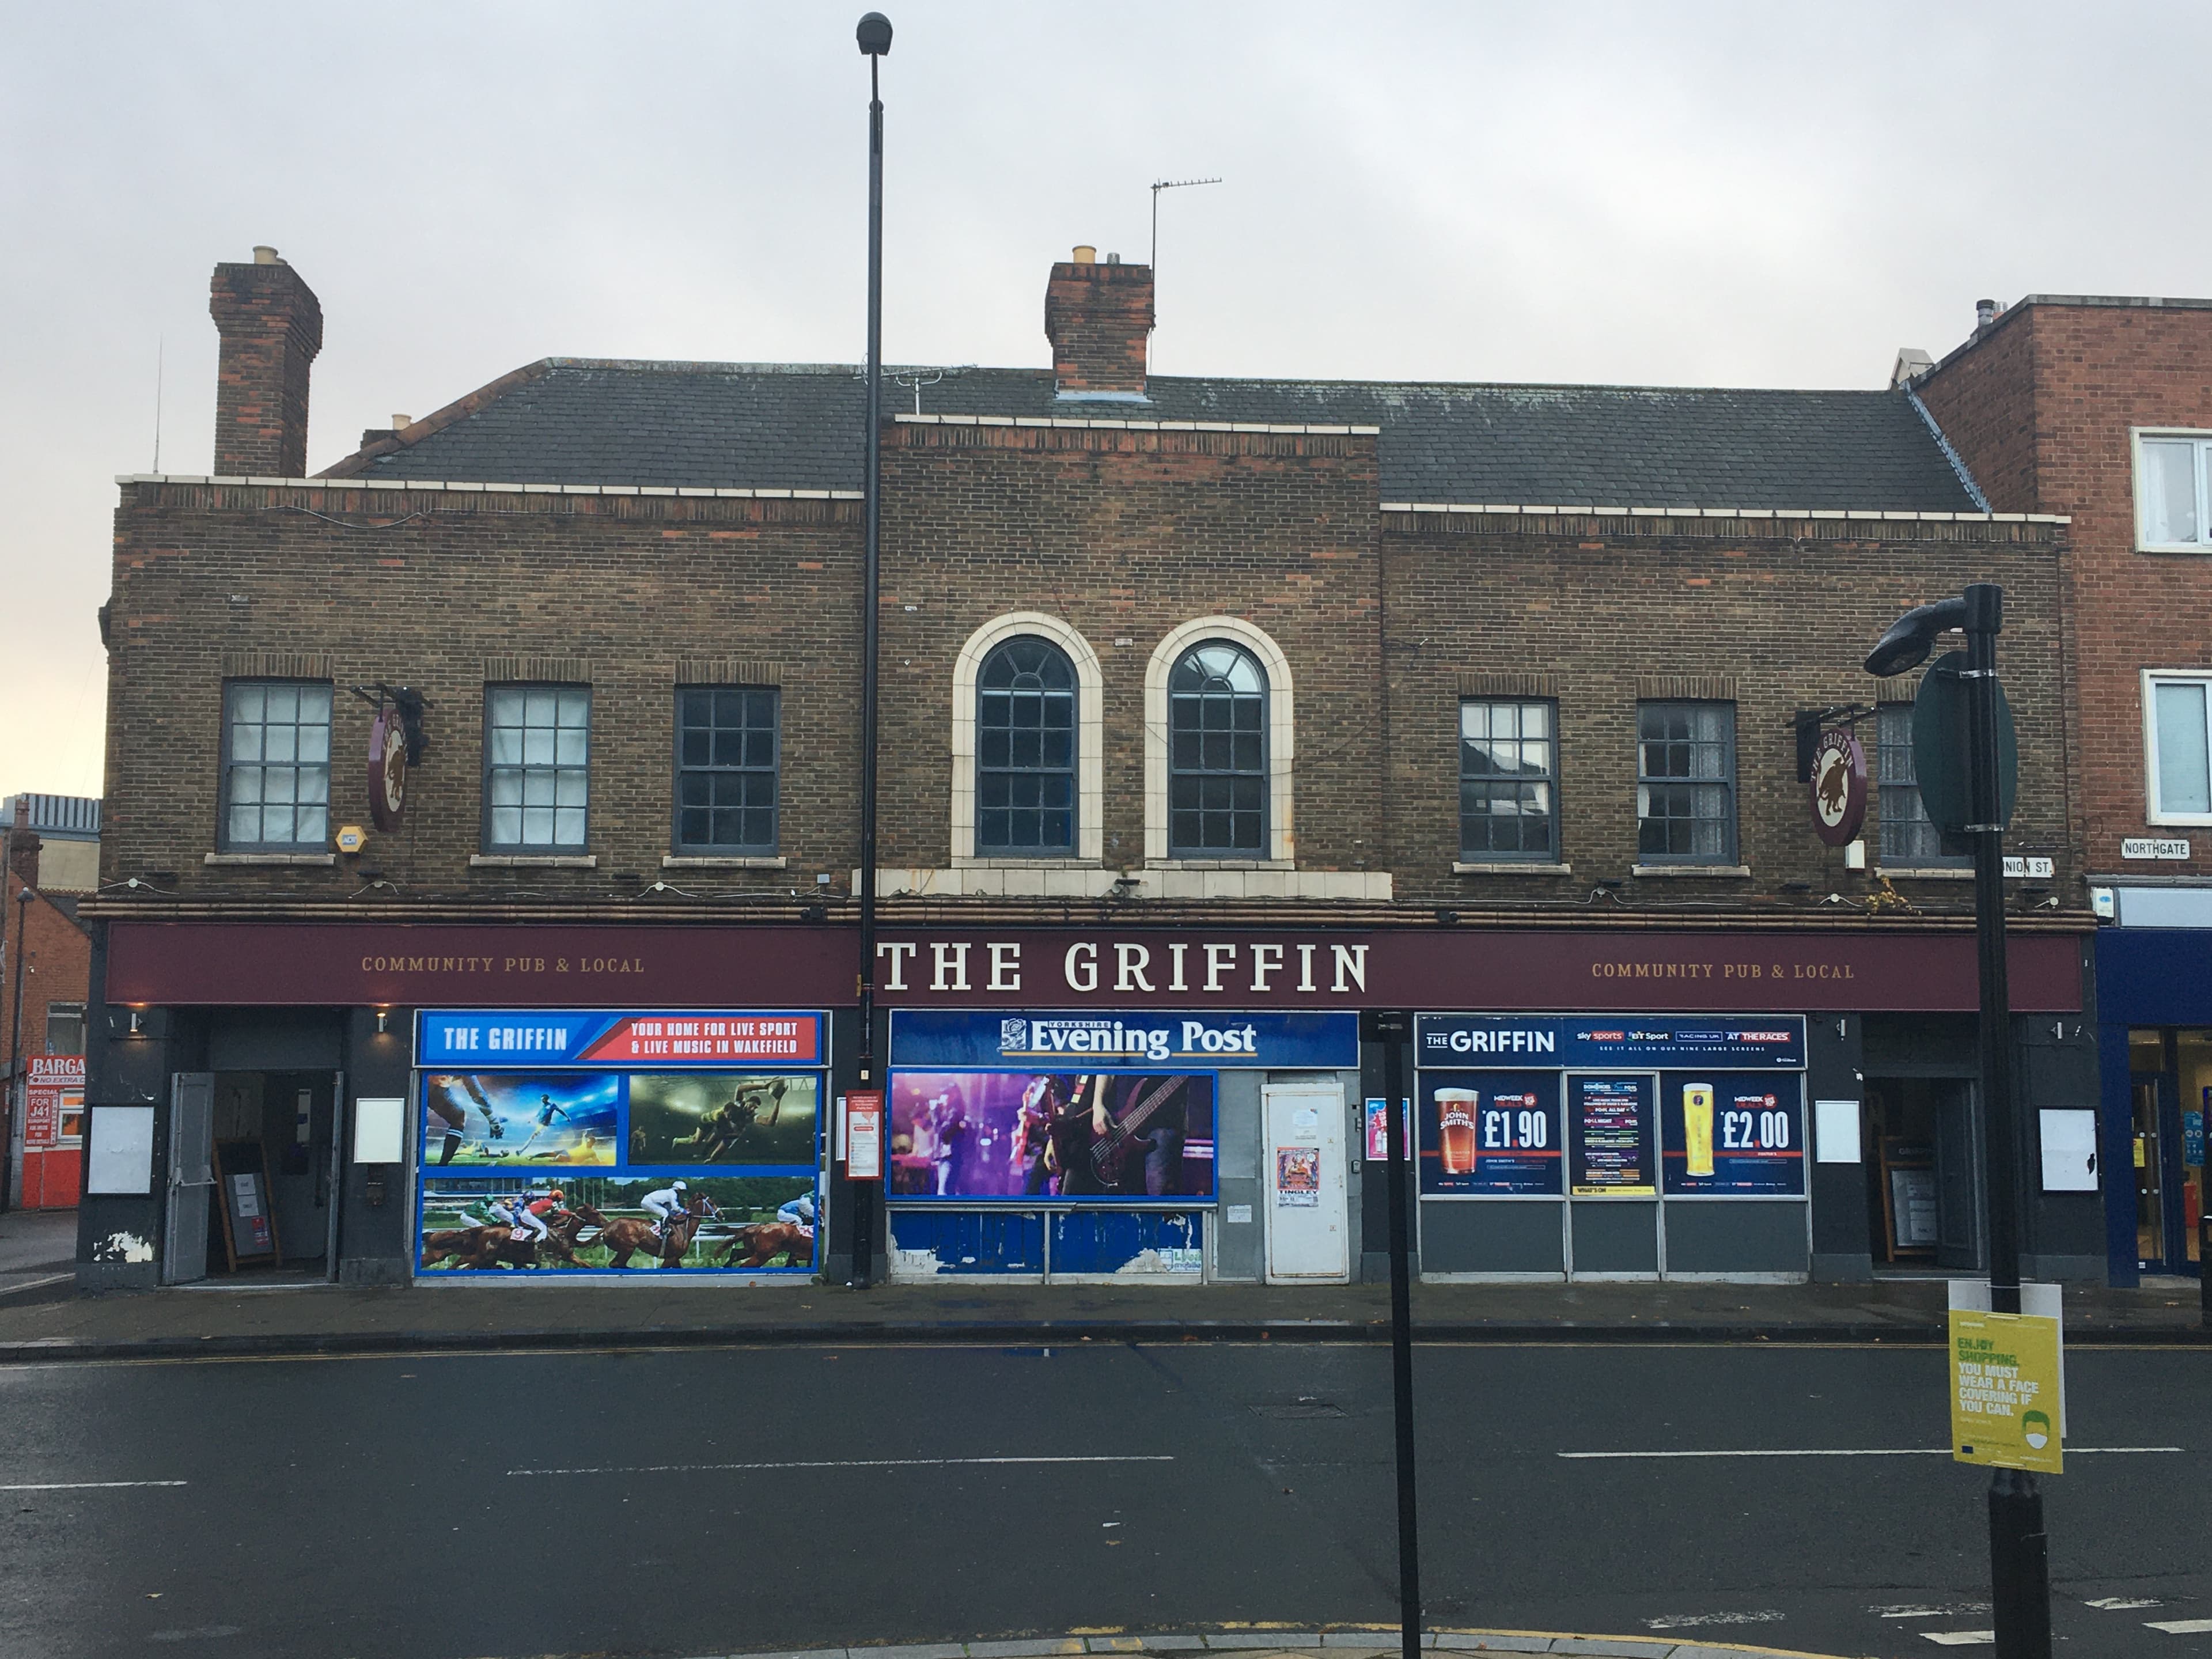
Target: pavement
(1261,1641)
(249,1314)
(37,1251)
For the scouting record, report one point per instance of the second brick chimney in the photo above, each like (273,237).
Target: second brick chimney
(23,845)
(271,325)
(1099,318)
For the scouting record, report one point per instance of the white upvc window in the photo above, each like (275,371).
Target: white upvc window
(2178,745)
(2173,491)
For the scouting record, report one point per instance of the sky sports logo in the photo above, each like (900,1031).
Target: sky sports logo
(1111,1039)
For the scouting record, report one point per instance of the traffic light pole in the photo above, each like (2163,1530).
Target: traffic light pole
(2020,1566)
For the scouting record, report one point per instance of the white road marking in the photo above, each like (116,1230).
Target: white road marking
(2180,1626)
(1960,1639)
(1888,1452)
(90,1485)
(2123,1603)
(1921,1610)
(1687,1620)
(842,1463)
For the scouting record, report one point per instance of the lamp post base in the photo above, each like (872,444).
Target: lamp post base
(2020,1566)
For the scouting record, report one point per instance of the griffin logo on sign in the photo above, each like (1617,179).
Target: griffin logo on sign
(387,768)
(1839,788)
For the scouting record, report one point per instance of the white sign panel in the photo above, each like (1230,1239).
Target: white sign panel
(1835,1132)
(379,1130)
(2146,846)
(2070,1149)
(120,1155)
(2029,868)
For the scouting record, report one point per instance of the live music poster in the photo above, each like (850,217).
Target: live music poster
(1107,1138)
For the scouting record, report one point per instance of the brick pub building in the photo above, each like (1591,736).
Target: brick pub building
(1214,712)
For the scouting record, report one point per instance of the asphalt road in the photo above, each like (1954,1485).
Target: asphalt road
(708,1502)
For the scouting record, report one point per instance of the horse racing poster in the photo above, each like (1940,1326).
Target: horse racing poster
(597,1142)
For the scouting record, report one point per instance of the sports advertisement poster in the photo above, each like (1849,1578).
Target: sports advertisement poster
(1132,1137)
(1612,1147)
(1491,1134)
(604,1142)
(1733,1135)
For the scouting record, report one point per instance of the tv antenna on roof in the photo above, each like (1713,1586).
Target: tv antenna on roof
(1159,184)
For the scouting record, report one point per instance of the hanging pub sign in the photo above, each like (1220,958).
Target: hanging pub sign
(1840,788)
(395,743)
(387,768)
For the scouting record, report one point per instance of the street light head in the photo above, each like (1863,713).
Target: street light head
(874,34)
(1912,636)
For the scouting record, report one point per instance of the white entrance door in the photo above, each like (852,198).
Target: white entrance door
(192,1143)
(1307,1235)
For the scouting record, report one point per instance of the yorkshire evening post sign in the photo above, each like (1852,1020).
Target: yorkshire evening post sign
(1078,1040)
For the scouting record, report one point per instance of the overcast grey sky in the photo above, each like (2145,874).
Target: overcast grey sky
(1698,194)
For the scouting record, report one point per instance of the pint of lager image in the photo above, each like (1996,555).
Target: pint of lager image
(1455,1110)
(1697,1125)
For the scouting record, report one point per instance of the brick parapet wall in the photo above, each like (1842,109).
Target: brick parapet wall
(1123,534)
(427,588)
(1616,608)
(1127,535)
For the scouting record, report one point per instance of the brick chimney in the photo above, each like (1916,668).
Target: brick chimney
(271,325)
(1099,318)
(23,844)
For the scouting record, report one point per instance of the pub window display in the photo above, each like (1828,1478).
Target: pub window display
(1035,1135)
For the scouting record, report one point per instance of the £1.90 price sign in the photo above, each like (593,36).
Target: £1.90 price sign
(1733,1135)
(1490,1134)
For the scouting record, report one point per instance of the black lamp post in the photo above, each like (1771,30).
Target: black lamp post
(2020,1569)
(13,1104)
(874,35)
(1393,1028)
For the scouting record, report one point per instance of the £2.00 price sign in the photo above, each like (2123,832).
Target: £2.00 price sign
(2004,1390)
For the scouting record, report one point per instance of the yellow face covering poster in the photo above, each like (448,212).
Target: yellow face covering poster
(2004,1390)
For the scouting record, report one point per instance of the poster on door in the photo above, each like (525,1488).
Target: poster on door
(1611,1136)
(53,1101)
(1735,1134)
(1490,1134)
(1297,1177)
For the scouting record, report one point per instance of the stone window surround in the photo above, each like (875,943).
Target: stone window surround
(1282,843)
(1090,739)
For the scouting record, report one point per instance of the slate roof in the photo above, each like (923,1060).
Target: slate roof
(800,426)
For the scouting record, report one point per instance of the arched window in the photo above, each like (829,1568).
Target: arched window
(1025,749)
(1217,753)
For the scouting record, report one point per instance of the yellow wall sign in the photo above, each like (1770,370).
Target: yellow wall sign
(2004,1390)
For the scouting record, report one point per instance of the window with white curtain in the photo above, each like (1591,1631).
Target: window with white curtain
(2174,496)
(2178,746)
(537,747)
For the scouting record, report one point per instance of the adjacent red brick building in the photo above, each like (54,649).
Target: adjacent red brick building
(2101,408)
(46,963)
